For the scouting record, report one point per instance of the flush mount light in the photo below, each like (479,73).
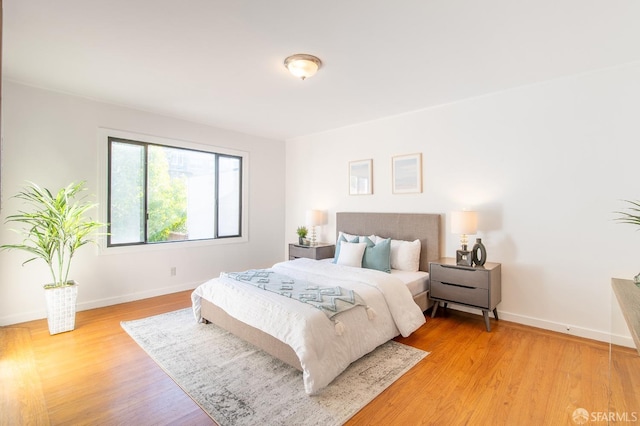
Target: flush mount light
(302,65)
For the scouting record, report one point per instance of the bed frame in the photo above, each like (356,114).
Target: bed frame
(398,226)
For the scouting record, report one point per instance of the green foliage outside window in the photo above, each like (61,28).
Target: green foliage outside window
(160,193)
(167,204)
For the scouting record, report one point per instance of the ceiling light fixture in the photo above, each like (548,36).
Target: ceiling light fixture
(302,65)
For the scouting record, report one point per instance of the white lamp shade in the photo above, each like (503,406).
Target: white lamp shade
(316,218)
(464,222)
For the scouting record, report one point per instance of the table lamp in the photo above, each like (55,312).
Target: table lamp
(315,218)
(464,223)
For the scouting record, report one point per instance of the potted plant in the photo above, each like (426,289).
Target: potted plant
(54,228)
(631,217)
(302,234)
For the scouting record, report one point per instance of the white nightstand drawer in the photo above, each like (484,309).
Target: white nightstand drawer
(466,277)
(460,294)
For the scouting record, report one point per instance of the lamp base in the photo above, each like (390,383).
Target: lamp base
(464,258)
(313,236)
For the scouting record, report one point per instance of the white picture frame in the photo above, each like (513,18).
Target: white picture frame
(407,173)
(361,177)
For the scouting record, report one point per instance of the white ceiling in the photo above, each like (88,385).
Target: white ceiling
(220,62)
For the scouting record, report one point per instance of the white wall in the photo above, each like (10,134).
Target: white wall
(51,139)
(545,166)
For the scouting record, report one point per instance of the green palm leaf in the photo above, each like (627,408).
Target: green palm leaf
(55,226)
(632,216)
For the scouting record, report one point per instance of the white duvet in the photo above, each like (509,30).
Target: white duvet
(322,352)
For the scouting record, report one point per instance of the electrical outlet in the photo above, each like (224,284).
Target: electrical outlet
(173,271)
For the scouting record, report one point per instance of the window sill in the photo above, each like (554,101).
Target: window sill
(168,246)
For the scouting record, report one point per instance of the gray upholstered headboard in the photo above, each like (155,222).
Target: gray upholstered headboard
(398,226)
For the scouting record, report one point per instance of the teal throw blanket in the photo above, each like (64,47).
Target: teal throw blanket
(330,300)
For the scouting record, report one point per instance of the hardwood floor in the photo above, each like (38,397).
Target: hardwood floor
(514,375)
(98,375)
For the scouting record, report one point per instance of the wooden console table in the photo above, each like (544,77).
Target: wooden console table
(628,295)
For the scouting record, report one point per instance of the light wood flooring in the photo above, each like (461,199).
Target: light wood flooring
(514,375)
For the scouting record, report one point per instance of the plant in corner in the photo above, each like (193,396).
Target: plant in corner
(54,229)
(302,234)
(631,217)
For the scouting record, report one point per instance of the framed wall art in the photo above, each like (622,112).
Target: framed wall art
(407,173)
(361,177)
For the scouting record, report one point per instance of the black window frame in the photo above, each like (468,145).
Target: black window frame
(111,139)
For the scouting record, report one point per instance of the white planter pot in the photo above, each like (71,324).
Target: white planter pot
(61,307)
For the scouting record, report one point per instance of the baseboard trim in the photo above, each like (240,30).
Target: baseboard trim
(101,303)
(572,330)
(552,326)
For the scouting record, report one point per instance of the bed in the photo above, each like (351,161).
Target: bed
(222,302)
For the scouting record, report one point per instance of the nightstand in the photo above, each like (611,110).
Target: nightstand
(477,287)
(317,252)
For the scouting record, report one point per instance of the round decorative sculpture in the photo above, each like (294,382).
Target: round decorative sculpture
(479,253)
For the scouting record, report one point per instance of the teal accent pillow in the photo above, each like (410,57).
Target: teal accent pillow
(340,240)
(377,256)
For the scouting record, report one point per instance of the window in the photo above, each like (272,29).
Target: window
(159,194)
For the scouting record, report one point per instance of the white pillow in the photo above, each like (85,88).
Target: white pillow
(361,238)
(351,254)
(349,237)
(405,255)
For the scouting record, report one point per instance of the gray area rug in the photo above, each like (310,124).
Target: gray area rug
(238,384)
